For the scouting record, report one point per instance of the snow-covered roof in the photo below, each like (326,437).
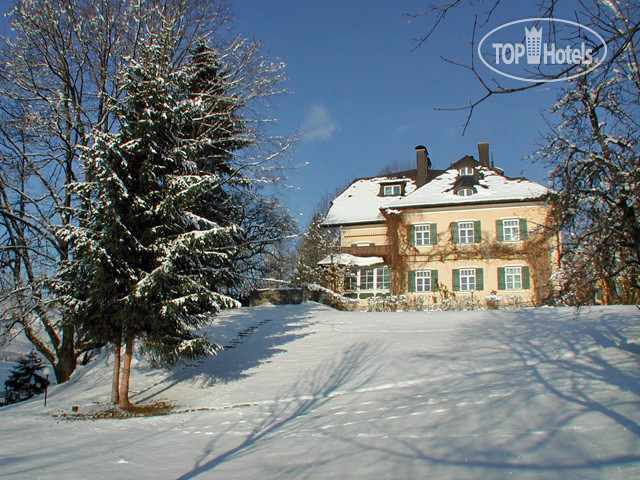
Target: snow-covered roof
(350,260)
(491,186)
(361,201)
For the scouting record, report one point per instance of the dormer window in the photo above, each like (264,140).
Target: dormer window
(466,171)
(465,192)
(391,190)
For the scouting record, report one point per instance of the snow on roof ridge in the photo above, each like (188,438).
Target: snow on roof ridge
(496,187)
(361,202)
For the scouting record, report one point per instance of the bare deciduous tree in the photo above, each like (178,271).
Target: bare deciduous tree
(591,148)
(58,73)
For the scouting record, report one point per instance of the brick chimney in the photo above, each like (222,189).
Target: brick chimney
(423,163)
(483,154)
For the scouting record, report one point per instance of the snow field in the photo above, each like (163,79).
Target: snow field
(308,392)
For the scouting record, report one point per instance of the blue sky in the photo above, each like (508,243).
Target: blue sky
(362,96)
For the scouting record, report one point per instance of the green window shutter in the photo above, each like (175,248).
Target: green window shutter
(454,232)
(372,244)
(412,281)
(412,235)
(524,232)
(479,279)
(456,280)
(354,245)
(502,283)
(434,280)
(526,278)
(500,230)
(433,234)
(477,232)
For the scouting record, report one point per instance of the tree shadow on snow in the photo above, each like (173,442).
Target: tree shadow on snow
(531,393)
(294,408)
(250,337)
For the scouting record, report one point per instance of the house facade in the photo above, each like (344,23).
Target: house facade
(467,233)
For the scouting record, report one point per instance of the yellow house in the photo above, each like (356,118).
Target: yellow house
(464,234)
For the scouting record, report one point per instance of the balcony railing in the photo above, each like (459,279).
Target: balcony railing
(367,251)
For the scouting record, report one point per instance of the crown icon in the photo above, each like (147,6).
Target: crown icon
(533,40)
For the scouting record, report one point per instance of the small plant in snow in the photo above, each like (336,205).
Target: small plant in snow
(25,380)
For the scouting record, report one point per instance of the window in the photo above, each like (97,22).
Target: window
(467,280)
(513,278)
(425,234)
(465,232)
(351,281)
(465,192)
(391,190)
(423,281)
(511,230)
(366,280)
(383,278)
(422,234)
(466,171)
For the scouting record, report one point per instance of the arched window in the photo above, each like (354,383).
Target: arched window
(465,192)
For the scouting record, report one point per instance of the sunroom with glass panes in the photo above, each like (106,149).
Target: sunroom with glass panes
(363,283)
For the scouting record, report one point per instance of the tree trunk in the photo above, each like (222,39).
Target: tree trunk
(124,402)
(65,355)
(115,381)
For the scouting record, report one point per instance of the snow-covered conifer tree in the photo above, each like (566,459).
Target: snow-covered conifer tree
(25,380)
(162,228)
(60,62)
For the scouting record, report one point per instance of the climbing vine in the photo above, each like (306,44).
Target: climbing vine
(536,250)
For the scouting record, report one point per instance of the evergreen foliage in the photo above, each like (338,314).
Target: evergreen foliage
(316,243)
(171,221)
(154,253)
(61,76)
(25,381)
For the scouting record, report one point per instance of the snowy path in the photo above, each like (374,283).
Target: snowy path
(314,393)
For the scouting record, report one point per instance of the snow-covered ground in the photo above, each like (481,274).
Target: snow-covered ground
(308,392)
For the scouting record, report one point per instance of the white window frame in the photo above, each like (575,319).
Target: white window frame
(422,234)
(364,276)
(466,171)
(468,238)
(423,281)
(465,192)
(511,229)
(351,279)
(468,280)
(377,277)
(513,277)
(389,190)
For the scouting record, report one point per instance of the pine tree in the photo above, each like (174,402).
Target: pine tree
(316,243)
(157,250)
(25,381)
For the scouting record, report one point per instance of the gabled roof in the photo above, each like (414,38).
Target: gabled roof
(491,187)
(361,201)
